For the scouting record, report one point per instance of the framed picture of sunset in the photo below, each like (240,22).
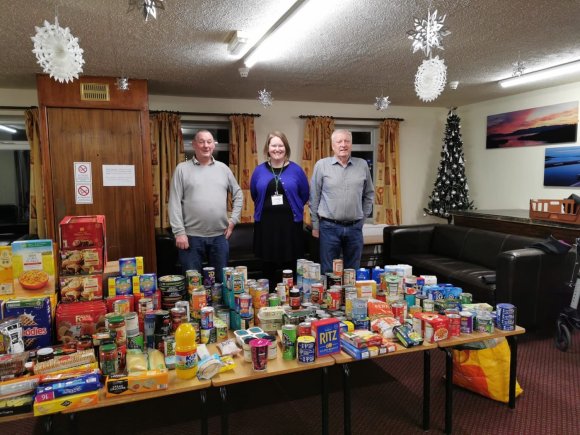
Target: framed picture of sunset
(547,125)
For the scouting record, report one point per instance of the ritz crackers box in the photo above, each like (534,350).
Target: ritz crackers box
(327,335)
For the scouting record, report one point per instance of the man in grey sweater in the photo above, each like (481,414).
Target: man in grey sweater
(198,207)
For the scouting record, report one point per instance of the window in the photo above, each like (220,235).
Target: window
(14,168)
(220,132)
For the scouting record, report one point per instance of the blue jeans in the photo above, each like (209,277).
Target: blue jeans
(336,239)
(216,249)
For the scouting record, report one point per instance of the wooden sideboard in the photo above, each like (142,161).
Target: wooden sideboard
(516,222)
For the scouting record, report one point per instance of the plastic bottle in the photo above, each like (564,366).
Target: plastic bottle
(185,352)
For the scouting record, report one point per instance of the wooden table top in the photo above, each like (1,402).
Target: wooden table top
(479,336)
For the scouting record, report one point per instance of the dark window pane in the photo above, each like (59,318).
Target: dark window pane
(361,137)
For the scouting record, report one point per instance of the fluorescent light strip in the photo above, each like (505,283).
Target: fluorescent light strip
(543,74)
(252,55)
(8,129)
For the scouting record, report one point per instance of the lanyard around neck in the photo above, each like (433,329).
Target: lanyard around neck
(276,177)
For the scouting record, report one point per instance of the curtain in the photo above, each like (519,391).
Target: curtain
(317,145)
(243,158)
(166,152)
(37,212)
(387,207)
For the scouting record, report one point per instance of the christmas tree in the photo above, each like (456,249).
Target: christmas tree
(450,192)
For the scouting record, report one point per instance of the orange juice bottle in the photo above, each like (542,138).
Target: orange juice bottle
(185,351)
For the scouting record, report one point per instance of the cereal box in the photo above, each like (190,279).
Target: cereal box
(6,285)
(33,268)
(327,335)
(78,232)
(81,261)
(35,319)
(146,283)
(81,288)
(119,285)
(131,266)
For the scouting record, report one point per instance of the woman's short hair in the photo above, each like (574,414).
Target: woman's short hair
(284,140)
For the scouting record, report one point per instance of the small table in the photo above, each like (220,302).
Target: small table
(275,367)
(344,359)
(448,345)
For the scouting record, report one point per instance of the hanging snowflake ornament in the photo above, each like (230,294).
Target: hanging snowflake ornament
(147,7)
(382,103)
(265,97)
(123,83)
(430,79)
(428,32)
(57,52)
(518,68)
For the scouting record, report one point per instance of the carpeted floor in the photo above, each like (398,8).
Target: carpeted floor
(386,399)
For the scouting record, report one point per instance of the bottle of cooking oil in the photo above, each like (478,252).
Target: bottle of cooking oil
(185,352)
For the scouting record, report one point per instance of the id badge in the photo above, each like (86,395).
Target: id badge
(277,200)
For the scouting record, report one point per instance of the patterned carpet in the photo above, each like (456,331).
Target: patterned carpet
(386,399)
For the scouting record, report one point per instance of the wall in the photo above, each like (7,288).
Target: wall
(421,133)
(509,178)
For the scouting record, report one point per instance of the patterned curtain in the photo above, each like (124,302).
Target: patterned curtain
(37,215)
(243,158)
(166,152)
(387,206)
(317,144)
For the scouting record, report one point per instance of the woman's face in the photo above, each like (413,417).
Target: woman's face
(276,149)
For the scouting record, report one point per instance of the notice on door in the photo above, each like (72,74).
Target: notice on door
(84,193)
(83,172)
(118,175)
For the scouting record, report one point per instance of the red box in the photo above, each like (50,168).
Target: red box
(79,232)
(78,319)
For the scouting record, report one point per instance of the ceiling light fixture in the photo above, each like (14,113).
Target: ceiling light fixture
(8,129)
(237,42)
(257,52)
(543,74)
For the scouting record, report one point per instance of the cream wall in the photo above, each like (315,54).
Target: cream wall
(509,178)
(420,135)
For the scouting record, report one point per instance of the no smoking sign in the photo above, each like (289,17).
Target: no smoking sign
(84,193)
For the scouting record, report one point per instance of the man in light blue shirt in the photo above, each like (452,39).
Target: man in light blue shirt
(341,197)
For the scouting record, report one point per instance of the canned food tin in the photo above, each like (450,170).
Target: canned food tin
(337,267)
(207,317)
(224,314)
(145,304)
(506,317)
(237,282)
(121,306)
(131,323)
(306,349)
(281,289)
(177,317)
(162,322)
(428,305)
(198,301)
(485,323)
(289,336)
(304,328)
(226,276)
(418,325)
(332,280)
(333,298)
(185,306)
(362,323)
(316,292)
(274,300)
(313,271)
(465,298)
(454,324)
(260,298)
(398,309)
(169,351)
(108,361)
(466,322)
(245,301)
(410,298)
(208,274)
(415,309)
(348,277)
(193,279)
(358,308)
(244,271)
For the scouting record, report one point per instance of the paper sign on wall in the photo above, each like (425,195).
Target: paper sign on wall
(83,175)
(84,193)
(118,175)
(83,172)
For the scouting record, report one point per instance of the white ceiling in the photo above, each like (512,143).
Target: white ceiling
(347,51)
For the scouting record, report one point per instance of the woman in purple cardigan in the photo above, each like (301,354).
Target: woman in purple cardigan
(280,190)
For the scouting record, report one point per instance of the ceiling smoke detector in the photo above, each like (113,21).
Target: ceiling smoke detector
(243,72)
(453,85)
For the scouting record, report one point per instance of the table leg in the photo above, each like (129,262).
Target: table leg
(72,421)
(224,396)
(48,424)
(448,390)
(324,400)
(346,399)
(426,389)
(203,399)
(513,344)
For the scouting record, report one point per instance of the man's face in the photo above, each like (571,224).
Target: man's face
(342,145)
(203,145)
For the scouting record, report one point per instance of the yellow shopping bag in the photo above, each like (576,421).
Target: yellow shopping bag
(485,371)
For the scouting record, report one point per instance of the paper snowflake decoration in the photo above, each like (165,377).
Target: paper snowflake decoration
(57,52)
(123,83)
(382,103)
(428,33)
(147,7)
(518,68)
(430,79)
(265,97)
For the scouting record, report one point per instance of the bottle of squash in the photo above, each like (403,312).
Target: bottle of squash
(185,352)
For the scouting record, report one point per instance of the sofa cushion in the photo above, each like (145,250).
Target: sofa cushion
(448,240)
(482,247)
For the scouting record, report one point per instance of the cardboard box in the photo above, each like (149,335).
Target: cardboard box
(139,382)
(35,318)
(327,335)
(81,288)
(366,289)
(66,403)
(33,268)
(78,232)
(86,261)
(6,274)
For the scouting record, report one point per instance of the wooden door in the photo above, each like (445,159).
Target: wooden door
(101,137)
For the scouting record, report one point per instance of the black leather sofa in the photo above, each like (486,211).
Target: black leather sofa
(241,251)
(531,279)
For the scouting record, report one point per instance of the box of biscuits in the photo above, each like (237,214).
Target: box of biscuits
(79,232)
(74,321)
(34,315)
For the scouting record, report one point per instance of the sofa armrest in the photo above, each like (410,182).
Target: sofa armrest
(535,282)
(406,239)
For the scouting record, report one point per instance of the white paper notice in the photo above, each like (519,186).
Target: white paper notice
(118,175)
(83,193)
